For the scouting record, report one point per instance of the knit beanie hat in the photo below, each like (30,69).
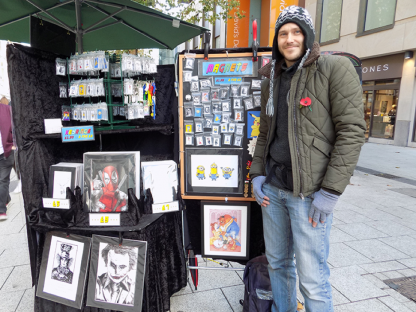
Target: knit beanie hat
(301,17)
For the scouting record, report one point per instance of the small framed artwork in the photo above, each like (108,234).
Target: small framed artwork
(59,179)
(225,230)
(228,170)
(63,268)
(116,276)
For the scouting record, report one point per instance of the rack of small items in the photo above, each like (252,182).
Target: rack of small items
(219,110)
(118,88)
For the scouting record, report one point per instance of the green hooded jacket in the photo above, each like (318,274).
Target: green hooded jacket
(325,140)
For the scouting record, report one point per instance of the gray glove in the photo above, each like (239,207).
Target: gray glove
(257,184)
(322,205)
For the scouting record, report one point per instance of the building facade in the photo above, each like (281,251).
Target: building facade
(383,35)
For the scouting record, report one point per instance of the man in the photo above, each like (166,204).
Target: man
(62,272)
(311,132)
(6,156)
(116,286)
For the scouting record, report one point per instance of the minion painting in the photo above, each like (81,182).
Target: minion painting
(214,172)
(227,172)
(200,172)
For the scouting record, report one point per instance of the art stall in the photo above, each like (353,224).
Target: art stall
(219,120)
(98,153)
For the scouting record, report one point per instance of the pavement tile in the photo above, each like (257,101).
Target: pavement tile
(381,277)
(396,295)
(234,294)
(407,272)
(349,282)
(4,275)
(209,279)
(7,228)
(361,231)
(394,304)
(382,266)
(338,298)
(376,250)
(349,216)
(212,301)
(410,305)
(372,305)
(405,244)
(376,281)
(393,274)
(28,301)
(399,212)
(13,257)
(336,221)
(16,240)
(19,279)
(10,300)
(391,228)
(340,255)
(338,236)
(410,263)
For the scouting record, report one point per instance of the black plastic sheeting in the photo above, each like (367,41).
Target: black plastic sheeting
(34,89)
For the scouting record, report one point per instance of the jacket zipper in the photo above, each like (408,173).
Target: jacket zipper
(296,139)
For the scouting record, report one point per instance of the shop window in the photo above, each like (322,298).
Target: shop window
(387,82)
(368,83)
(376,15)
(368,103)
(383,115)
(328,17)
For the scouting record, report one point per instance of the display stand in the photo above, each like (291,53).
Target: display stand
(33,87)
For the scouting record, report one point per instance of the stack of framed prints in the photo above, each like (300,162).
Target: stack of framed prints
(63,269)
(64,175)
(116,276)
(116,272)
(107,178)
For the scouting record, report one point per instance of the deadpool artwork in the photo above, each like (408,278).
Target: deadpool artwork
(106,195)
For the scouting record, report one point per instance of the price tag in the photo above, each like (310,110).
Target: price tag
(166,207)
(104,219)
(56,203)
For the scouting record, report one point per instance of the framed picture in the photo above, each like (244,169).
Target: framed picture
(107,178)
(63,268)
(116,276)
(59,179)
(225,230)
(214,171)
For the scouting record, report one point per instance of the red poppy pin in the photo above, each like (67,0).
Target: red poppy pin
(306,102)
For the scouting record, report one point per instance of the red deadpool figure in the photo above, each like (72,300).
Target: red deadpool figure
(110,198)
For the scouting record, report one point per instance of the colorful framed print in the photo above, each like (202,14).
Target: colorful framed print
(116,276)
(253,124)
(225,230)
(214,171)
(63,269)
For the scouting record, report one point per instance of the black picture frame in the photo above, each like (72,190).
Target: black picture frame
(53,169)
(213,190)
(49,254)
(94,277)
(227,249)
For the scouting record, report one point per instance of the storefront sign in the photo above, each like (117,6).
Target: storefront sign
(385,67)
(166,207)
(238,29)
(76,134)
(227,80)
(104,219)
(55,203)
(237,66)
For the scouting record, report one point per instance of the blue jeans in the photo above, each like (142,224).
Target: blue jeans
(287,232)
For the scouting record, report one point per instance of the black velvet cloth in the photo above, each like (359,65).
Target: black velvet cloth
(34,88)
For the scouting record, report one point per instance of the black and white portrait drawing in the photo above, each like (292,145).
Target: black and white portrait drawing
(194,86)
(188,112)
(116,274)
(244,91)
(65,255)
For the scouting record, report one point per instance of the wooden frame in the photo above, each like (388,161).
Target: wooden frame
(181,129)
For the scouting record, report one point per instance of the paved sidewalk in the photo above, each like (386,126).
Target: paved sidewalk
(373,239)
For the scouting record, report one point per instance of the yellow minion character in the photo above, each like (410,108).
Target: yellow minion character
(200,172)
(227,172)
(214,172)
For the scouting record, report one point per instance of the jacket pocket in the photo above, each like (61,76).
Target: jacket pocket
(322,146)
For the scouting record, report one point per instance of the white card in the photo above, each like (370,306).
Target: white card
(53,125)
(61,180)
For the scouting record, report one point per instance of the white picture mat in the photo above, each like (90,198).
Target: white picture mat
(102,268)
(160,177)
(61,180)
(57,288)
(243,231)
(221,161)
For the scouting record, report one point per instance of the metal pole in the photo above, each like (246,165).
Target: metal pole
(79,23)
(214,268)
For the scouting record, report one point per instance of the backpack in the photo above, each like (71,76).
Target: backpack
(258,295)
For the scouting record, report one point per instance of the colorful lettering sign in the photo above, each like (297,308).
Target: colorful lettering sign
(239,66)
(227,80)
(76,134)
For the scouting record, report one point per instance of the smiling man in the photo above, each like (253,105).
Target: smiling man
(311,132)
(116,286)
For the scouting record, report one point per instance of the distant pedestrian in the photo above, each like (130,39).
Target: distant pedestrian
(311,132)
(6,155)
